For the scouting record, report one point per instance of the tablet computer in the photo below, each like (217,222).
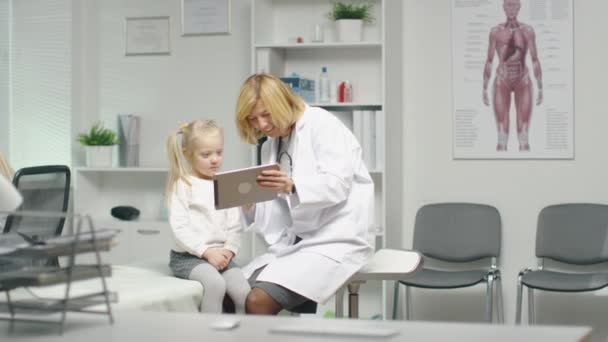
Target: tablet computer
(239,187)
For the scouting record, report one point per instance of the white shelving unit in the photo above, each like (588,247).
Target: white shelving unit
(98,190)
(277,22)
(275,25)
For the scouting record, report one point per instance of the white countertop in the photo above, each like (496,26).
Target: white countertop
(156,326)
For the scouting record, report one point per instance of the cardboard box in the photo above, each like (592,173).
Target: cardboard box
(303,87)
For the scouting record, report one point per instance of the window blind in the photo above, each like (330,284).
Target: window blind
(40,82)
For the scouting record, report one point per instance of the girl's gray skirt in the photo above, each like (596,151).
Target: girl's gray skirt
(181,264)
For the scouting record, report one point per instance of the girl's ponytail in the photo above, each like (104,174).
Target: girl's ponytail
(177,169)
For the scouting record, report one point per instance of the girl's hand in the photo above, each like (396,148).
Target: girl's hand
(216,258)
(228,254)
(276,180)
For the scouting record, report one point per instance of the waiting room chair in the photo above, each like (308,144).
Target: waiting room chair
(456,234)
(44,188)
(573,234)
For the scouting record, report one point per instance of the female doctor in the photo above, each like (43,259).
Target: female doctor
(317,229)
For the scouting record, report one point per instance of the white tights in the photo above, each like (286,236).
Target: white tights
(216,285)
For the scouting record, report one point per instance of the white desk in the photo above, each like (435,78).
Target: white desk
(157,326)
(386,264)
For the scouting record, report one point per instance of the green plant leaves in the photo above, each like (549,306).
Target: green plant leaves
(351,10)
(98,136)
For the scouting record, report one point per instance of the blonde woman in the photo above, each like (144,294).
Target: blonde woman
(205,240)
(317,230)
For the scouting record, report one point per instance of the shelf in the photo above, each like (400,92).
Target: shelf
(112,222)
(24,265)
(331,45)
(56,246)
(41,276)
(123,169)
(45,306)
(348,106)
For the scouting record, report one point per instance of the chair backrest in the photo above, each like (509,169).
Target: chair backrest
(44,188)
(574,233)
(457,232)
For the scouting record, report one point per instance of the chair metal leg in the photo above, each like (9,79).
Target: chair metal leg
(396,299)
(340,302)
(519,299)
(489,295)
(531,316)
(408,303)
(353,299)
(499,303)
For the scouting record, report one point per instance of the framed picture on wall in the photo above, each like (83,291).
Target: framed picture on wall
(205,17)
(147,36)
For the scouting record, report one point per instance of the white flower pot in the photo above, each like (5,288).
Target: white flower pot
(349,30)
(99,156)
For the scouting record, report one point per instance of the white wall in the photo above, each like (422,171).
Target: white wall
(518,188)
(4,76)
(200,79)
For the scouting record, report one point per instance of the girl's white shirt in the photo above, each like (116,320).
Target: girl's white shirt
(332,211)
(196,224)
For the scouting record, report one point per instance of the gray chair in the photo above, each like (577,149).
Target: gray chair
(456,234)
(574,234)
(44,189)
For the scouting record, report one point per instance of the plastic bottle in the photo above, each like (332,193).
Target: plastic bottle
(324,86)
(345,92)
(348,92)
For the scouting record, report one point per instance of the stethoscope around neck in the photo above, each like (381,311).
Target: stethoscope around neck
(284,154)
(280,154)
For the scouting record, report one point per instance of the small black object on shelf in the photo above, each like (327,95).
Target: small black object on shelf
(125,213)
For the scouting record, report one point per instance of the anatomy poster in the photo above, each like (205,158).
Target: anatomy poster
(512,79)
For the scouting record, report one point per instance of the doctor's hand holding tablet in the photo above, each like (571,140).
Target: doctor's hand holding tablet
(277,180)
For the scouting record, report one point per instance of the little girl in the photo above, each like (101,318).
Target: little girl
(205,240)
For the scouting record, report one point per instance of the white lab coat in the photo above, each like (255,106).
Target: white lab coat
(332,211)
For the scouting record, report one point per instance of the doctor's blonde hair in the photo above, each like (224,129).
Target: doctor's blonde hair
(180,151)
(284,106)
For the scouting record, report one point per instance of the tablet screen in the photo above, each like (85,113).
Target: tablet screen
(239,187)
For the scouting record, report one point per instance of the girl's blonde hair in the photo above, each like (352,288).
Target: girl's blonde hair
(5,169)
(284,106)
(179,151)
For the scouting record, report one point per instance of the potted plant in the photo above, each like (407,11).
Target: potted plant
(99,143)
(349,17)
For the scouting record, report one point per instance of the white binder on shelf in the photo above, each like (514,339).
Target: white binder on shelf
(358,126)
(368,144)
(380,136)
(270,61)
